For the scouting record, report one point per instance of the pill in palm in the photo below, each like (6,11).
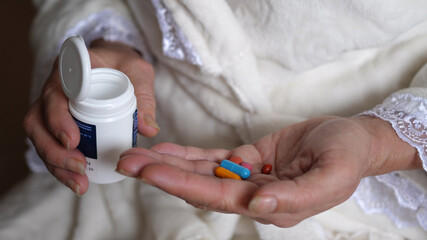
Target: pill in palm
(266,169)
(236,168)
(246,165)
(224,173)
(236,159)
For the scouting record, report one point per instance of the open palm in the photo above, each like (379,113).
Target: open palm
(317,164)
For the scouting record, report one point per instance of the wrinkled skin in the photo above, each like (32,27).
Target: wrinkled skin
(317,164)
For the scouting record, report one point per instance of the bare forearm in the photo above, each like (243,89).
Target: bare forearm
(389,152)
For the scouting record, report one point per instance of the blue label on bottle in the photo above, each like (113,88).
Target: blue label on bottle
(135,128)
(87,143)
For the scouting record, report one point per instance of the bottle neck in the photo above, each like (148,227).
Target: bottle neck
(110,93)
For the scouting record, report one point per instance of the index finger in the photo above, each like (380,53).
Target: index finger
(191,153)
(224,195)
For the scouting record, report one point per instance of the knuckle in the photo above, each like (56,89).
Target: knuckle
(223,204)
(145,71)
(31,119)
(48,91)
(45,153)
(146,68)
(160,146)
(146,102)
(55,171)
(57,162)
(51,122)
(145,97)
(49,156)
(28,123)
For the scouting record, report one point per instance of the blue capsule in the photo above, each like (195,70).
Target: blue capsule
(236,168)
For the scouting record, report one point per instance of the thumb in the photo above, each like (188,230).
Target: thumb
(140,73)
(313,192)
(142,78)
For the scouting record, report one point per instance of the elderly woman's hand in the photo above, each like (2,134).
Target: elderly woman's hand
(55,134)
(317,164)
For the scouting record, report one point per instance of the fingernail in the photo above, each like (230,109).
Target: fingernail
(75,166)
(123,172)
(263,204)
(64,140)
(149,121)
(73,186)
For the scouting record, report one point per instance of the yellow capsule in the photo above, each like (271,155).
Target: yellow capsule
(224,173)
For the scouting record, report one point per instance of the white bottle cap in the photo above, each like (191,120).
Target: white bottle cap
(75,68)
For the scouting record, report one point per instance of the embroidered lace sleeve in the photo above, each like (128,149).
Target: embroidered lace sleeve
(400,195)
(408,116)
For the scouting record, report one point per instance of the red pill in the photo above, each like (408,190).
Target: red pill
(266,169)
(236,159)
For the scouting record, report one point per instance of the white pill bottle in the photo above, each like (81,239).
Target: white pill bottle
(103,104)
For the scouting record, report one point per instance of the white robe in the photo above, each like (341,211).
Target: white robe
(227,73)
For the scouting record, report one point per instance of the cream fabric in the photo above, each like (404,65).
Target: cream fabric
(265,65)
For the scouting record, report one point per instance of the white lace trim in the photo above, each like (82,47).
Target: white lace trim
(407,114)
(102,25)
(394,194)
(174,43)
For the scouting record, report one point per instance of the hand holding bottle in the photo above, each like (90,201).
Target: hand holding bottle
(54,132)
